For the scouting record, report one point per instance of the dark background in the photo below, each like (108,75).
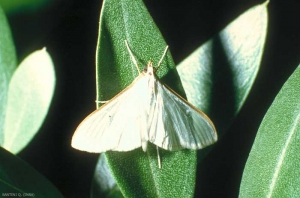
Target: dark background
(69,30)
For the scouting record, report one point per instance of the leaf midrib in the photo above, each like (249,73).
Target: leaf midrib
(9,144)
(282,156)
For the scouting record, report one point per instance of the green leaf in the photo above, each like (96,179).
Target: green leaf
(30,93)
(18,6)
(104,185)
(8,63)
(136,172)
(218,76)
(16,176)
(273,168)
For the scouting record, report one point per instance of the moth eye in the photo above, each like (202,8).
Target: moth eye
(145,69)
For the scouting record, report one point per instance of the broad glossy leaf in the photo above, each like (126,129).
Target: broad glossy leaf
(18,6)
(218,76)
(29,96)
(17,177)
(8,63)
(273,168)
(104,185)
(136,172)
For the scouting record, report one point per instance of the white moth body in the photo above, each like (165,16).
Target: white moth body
(145,111)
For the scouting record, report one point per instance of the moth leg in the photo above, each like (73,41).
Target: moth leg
(158,157)
(101,101)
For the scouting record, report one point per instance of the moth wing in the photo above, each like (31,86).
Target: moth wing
(116,125)
(176,124)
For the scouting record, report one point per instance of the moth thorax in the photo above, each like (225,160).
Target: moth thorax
(149,69)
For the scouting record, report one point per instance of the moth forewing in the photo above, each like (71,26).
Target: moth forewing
(176,124)
(106,122)
(195,109)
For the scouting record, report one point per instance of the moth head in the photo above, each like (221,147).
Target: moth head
(149,69)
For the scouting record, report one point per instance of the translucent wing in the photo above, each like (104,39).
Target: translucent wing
(118,125)
(176,124)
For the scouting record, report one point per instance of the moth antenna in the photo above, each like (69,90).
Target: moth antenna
(132,57)
(158,157)
(162,57)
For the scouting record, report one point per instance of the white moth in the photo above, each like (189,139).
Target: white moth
(147,110)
